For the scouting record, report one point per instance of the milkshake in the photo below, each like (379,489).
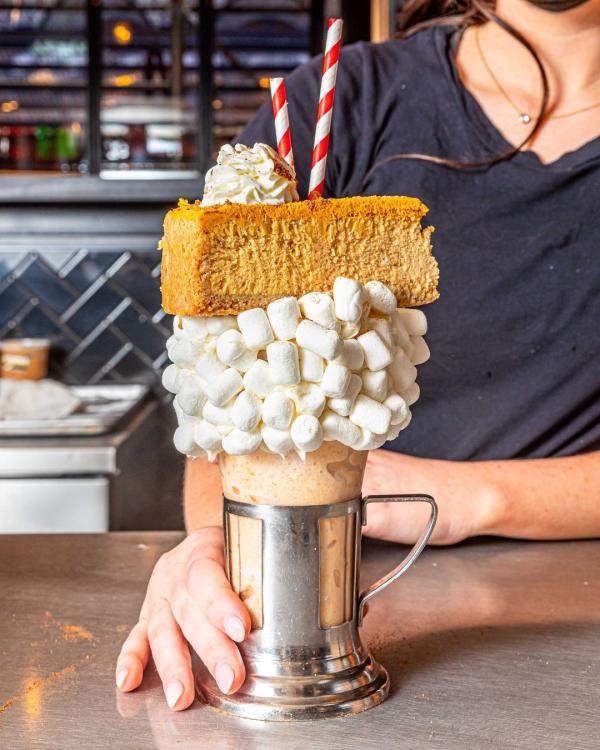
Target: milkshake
(331,474)
(290,397)
(287,374)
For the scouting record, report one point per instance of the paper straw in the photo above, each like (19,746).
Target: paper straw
(325,109)
(282,120)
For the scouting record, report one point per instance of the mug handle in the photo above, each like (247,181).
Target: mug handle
(402,567)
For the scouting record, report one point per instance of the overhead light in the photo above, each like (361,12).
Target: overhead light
(122,32)
(264,83)
(126,79)
(43,76)
(217,104)
(9,106)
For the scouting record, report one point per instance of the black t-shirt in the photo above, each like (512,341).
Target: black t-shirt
(515,335)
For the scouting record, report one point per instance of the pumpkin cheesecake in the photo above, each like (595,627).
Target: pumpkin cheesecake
(223,259)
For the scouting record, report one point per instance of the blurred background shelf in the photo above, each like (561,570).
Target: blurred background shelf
(109,112)
(93,88)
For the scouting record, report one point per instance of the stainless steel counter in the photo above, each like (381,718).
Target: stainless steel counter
(68,455)
(490,644)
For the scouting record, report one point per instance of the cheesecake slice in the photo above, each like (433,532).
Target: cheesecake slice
(221,260)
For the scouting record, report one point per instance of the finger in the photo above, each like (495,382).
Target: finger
(209,587)
(171,655)
(132,659)
(218,652)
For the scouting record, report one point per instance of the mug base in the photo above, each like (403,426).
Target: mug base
(285,698)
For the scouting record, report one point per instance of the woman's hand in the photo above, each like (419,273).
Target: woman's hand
(463,498)
(189,600)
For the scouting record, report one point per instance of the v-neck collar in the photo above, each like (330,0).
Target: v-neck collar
(488,134)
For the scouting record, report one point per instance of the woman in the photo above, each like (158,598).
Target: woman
(494,121)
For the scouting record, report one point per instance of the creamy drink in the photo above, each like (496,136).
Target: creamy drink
(290,397)
(294,353)
(331,474)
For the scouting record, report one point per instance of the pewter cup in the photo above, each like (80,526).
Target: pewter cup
(304,657)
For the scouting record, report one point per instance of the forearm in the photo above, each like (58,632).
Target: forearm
(553,498)
(550,498)
(202,497)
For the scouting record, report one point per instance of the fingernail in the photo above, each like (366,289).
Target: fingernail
(234,628)
(121,677)
(173,692)
(224,676)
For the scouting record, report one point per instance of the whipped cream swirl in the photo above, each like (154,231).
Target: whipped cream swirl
(249,175)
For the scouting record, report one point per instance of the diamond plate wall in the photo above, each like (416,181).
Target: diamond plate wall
(101,310)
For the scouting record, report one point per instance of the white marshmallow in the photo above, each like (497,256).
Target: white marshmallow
(194,328)
(381,298)
(348,296)
(224,388)
(409,348)
(306,433)
(308,399)
(371,415)
(169,344)
(377,354)
(183,353)
(224,429)
(239,443)
(255,328)
(181,417)
(369,441)
(284,316)
(420,352)
(393,432)
(336,379)
(220,323)
(318,307)
(207,436)
(284,368)
(352,355)
(404,424)
(375,384)
(278,410)
(339,428)
(403,372)
(311,366)
(411,394)
(209,367)
(191,397)
(277,441)
(398,407)
(343,406)
(350,330)
(171,379)
(184,442)
(246,411)
(217,415)
(232,351)
(383,328)
(178,331)
(258,379)
(399,332)
(414,321)
(321,341)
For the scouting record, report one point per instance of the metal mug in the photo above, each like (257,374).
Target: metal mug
(304,657)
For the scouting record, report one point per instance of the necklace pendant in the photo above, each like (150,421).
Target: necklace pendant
(525,118)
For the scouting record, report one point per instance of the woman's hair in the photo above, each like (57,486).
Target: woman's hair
(423,14)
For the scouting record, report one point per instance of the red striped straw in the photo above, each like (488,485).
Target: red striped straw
(325,109)
(282,120)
